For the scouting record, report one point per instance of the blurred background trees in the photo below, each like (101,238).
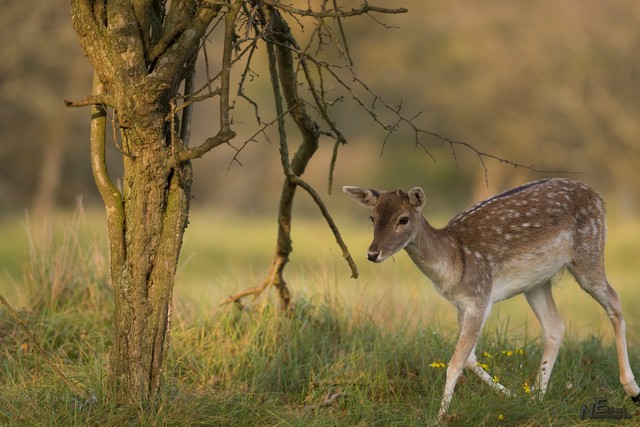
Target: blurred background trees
(552,84)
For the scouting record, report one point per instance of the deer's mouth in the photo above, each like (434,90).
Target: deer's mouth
(375,256)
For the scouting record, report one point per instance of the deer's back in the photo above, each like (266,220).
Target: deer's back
(529,217)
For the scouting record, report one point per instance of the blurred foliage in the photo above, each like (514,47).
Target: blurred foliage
(539,82)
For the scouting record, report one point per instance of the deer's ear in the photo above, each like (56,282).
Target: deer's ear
(365,196)
(417,198)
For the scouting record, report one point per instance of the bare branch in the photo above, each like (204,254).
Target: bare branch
(252,138)
(171,59)
(293,175)
(167,38)
(190,100)
(337,13)
(327,216)
(276,268)
(102,99)
(229,33)
(223,136)
(243,77)
(110,194)
(187,114)
(89,24)
(401,119)
(142,11)
(344,38)
(330,400)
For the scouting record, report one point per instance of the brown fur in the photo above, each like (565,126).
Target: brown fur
(516,242)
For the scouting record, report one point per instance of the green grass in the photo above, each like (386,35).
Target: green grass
(371,340)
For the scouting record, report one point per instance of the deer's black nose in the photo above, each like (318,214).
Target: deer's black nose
(373,256)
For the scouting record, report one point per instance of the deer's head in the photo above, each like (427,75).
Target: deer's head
(396,217)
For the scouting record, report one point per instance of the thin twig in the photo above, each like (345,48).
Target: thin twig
(327,216)
(330,400)
(362,10)
(257,290)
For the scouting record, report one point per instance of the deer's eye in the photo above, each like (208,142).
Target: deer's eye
(403,220)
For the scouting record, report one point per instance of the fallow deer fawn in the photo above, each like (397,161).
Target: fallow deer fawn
(513,243)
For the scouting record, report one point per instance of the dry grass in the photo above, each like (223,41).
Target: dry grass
(353,352)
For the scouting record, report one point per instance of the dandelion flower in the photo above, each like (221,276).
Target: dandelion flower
(526,387)
(483,366)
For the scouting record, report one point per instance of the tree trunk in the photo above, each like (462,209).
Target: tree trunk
(139,67)
(146,226)
(156,210)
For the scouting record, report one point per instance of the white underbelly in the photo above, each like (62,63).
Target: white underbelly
(527,271)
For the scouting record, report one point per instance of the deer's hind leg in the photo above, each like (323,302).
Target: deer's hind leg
(591,277)
(541,301)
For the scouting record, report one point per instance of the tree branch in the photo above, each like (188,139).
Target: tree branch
(110,194)
(225,134)
(171,60)
(89,28)
(327,216)
(187,114)
(225,78)
(337,13)
(142,11)
(222,137)
(102,99)
(283,57)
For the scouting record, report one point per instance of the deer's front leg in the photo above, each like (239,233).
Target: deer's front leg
(471,320)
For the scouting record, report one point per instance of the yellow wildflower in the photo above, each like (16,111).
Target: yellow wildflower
(496,379)
(485,354)
(438,365)
(520,351)
(483,366)
(526,387)
(507,352)
(500,417)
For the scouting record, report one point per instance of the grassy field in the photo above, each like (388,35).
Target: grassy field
(368,351)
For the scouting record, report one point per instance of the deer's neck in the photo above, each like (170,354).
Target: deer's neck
(434,253)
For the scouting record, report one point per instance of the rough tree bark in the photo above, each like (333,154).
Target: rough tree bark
(141,53)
